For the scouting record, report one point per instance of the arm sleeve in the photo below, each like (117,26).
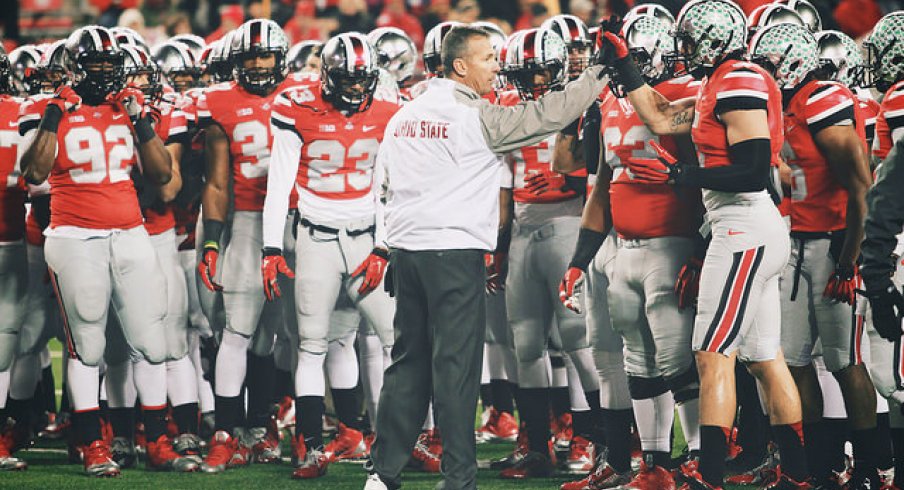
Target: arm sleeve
(284,159)
(591,138)
(508,128)
(749,170)
(884,220)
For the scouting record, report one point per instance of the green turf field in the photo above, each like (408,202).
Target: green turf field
(48,470)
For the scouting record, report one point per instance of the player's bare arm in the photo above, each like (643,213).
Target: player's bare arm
(37,161)
(169,190)
(662,116)
(215,196)
(847,160)
(568,155)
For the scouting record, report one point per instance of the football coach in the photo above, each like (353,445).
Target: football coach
(441,159)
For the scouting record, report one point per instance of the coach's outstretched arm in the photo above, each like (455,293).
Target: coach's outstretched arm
(884,219)
(509,128)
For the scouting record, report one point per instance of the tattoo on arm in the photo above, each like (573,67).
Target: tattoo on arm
(680,119)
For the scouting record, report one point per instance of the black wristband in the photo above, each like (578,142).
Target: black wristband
(213,230)
(381,252)
(271,251)
(576,184)
(51,120)
(589,242)
(572,129)
(144,130)
(627,75)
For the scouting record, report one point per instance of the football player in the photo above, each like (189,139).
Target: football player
(13,261)
(736,123)
(546,218)
(23,61)
(826,151)
(432,55)
(653,249)
(326,137)
(235,117)
(85,143)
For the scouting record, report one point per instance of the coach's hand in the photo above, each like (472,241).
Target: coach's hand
(207,268)
(272,265)
(373,268)
(842,284)
(570,289)
(688,284)
(888,309)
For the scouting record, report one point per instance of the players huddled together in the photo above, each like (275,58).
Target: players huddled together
(202,227)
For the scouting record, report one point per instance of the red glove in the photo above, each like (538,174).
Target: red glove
(207,268)
(843,284)
(610,46)
(570,289)
(544,181)
(495,264)
(661,170)
(688,284)
(272,265)
(65,99)
(373,268)
(131,99)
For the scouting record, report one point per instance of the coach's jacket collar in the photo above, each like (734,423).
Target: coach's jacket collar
(460,88)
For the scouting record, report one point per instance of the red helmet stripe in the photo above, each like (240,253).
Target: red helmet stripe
(359,50)
(528,45)
(254,34)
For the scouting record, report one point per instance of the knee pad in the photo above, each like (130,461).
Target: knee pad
(643,388)
(685,386)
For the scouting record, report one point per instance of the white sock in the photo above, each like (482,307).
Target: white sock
(232,364)
(181,382)
(84,384)
(371,352)
(689,416)
(575,388)
(654,417)
(4,387)
(150,381)
(342,363)
(309,379)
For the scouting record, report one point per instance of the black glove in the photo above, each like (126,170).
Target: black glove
(888,308)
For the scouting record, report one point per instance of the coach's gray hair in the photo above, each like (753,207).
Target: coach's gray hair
(455,45)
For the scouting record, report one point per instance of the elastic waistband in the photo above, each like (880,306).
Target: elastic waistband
(350,229)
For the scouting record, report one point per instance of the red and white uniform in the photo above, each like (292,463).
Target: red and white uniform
(13,263)
(329,157)
(890,121)
(870,110)
(818,211)
(543,237)
(12,187)
(655,226)
(750,243)
(95,222)
(170,124)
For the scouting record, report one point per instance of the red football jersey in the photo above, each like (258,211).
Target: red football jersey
(890,122)
(335,171)
(12,188)
(245,118)
(734,85)
(170,124)
(818,202)
(90,181)
(529,160)
(642,210)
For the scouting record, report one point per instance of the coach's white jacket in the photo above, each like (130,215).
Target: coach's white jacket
(441,156)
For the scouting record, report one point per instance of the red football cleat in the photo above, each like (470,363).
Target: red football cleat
(220,452)
(533,465)
(313,465)
(98,461)
(348,444)
(162,456)
(580,456)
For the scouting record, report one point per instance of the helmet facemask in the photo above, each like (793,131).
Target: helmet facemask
(259,71)
(350,91)
(534,81)
(98,75)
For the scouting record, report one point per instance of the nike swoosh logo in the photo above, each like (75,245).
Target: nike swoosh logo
(733,233)
(117,116)
(366,128)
